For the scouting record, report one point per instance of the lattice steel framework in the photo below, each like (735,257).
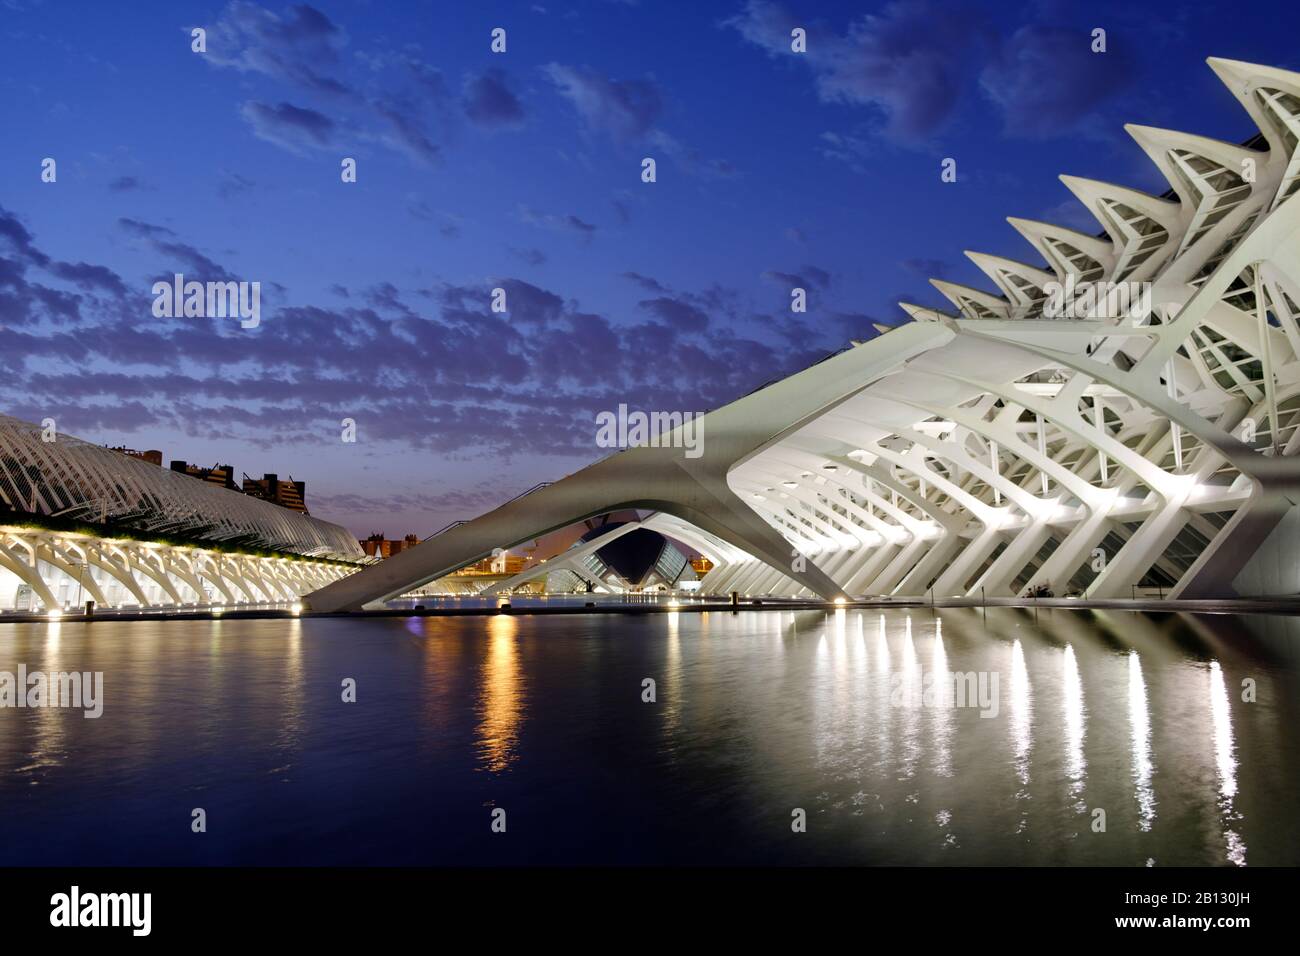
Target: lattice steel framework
(79,481)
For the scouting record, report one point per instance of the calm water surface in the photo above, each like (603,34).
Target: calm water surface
(757,714)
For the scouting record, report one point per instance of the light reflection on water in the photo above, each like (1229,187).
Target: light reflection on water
(1076,765)
(756,713)
(1226,761)
(1021,724)
(501,703)
(1141,723)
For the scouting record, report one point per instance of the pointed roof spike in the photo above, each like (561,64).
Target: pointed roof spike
(987,260)
(1157,143)
(1242,79)
(1083,187)
(1035,233)
(1037,227)
(1219,150)
(920,313)
(1244,72)
(1091,192)
(998,268)
(1206,195)
(955,292)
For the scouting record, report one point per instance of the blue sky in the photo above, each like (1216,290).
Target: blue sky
(522,171)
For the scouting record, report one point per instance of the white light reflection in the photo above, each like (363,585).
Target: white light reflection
(861,644)
(1226,761)
(289,733)
(48,745)
(1075,726)
(1140,722)
(910,692)
(1022,713)
(884,708)
(673,674)
(1020,702)
(942,682)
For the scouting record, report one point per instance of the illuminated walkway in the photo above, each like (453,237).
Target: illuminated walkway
(51,570)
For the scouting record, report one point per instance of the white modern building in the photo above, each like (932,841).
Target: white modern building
(1118,418)
(79,522)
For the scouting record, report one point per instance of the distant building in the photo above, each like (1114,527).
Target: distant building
(503,563)
(377,546)
(153,456)
(223,475)
(287,494)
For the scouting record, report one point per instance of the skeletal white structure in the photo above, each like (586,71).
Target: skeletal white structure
(44,568)
(995,450)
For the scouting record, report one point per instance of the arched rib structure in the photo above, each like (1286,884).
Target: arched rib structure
(81,522)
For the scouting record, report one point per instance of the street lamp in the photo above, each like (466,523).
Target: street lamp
(80,579)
